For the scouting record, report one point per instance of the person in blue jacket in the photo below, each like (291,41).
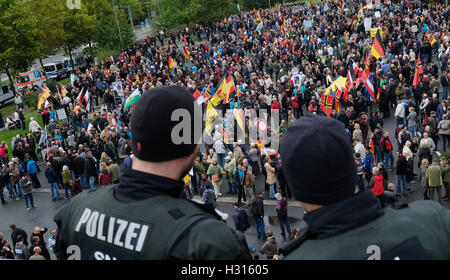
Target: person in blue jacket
(32,170)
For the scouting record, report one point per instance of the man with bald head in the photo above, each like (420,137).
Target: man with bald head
(39,232)
(37,254)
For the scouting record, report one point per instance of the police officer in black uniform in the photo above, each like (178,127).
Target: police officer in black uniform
(144,217)
(343,224)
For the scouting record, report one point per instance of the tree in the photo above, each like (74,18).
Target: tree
(106,34)
(18,32)
(79,28)
(207,11)
(48,16)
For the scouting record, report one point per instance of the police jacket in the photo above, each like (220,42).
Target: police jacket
(358,228)
(144,218)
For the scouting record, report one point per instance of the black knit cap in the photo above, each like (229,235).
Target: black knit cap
(318,162)
(151,124)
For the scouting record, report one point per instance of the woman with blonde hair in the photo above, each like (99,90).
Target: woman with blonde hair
(357,133)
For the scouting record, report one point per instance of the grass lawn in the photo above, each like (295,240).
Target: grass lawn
(7,135)
(7,109)
(65,81)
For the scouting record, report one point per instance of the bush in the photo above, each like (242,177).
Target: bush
(51,84)
(31,99)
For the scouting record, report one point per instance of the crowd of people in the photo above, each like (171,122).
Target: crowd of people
(85,149)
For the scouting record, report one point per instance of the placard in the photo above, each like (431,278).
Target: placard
(307,23)
(367,24)
(377,14)
(61,114)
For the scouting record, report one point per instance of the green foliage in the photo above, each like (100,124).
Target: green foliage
(48,16)
(102,53)
(106,34)
(19,33)
(79,27)
(51,84)
(176,13)
(31,100)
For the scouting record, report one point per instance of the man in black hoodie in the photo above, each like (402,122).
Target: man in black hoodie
(15,233)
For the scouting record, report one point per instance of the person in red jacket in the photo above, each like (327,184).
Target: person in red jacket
(386,149)
(294,102)
(4,157)
(377,184)
(105,177)
(275,104)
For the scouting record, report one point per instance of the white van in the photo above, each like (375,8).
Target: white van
(32,79)
(56,70)
(6,95)
(78,60)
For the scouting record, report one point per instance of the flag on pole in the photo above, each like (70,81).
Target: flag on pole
(419,70)
(432,40)
(46,89)
(260,27)
(377,47)
(207,93)
(87,100)
(368,5)
(170,62)
(187,54)
(80,96)
(370,89)
(132,99)
(46,104)
(239,116)
(199,97)
(343,5)
(184,39)
(211,115)
(63,90)
(73,78)
(229,88)
(41,100)
(43,138)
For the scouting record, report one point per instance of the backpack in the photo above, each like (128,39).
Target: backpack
(444,125)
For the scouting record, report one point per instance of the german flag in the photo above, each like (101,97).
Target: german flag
(368,5)
(187,54)
(228,89)
(207,93)
(170,62)
(419,70)
(377,47)
(432,40)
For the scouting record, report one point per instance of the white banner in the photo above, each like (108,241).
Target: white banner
(61,114)
(367,24)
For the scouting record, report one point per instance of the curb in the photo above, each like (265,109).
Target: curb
(226,200)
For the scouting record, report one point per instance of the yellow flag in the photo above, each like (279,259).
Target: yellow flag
(373,31)
(220,93)
(211,115)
